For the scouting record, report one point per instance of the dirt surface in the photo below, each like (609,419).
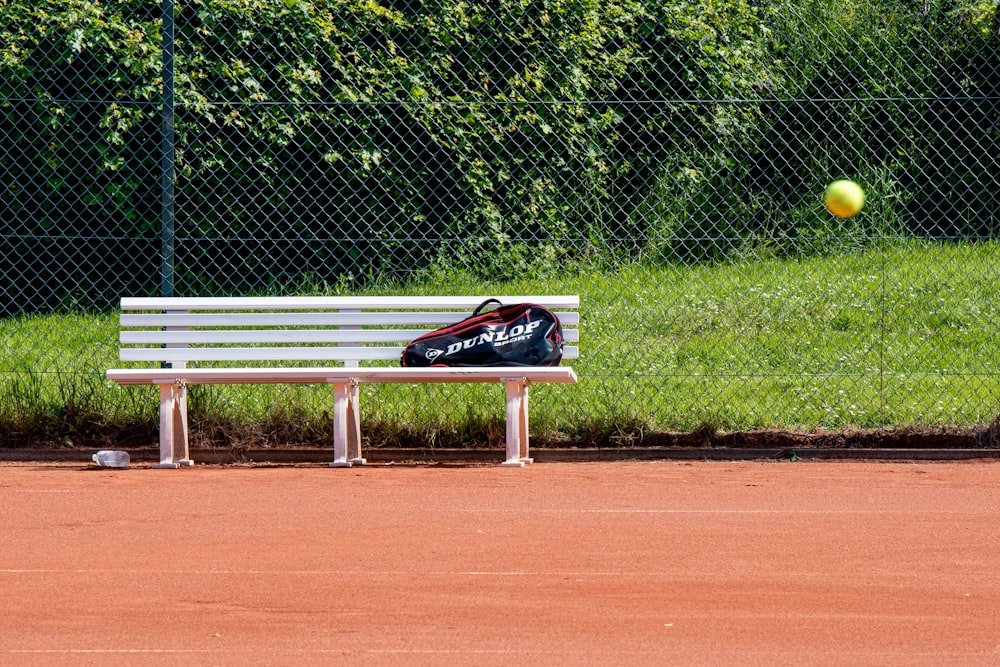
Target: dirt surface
(641,563)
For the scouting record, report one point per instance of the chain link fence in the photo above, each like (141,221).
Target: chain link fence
(666,161)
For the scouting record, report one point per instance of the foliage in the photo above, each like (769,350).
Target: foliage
(896,95)
(377,135)
(340,142)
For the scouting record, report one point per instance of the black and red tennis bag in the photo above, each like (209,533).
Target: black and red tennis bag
(523,334)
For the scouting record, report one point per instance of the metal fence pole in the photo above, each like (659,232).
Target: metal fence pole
(167,157)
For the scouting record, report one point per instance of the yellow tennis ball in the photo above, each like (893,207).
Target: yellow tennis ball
(844,198)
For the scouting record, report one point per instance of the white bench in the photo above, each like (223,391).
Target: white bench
(312,340)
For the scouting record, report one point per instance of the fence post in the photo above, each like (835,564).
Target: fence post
(167,155)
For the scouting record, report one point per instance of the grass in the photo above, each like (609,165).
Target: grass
(901,336)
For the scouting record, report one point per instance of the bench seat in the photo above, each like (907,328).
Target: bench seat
(347,331)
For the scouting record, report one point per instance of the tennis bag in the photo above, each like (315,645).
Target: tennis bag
(523,334)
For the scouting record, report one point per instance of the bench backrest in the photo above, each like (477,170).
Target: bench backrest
(343,329)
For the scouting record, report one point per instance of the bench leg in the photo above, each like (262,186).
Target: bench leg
(174,451)
(354,426)
(517,423)
(346,425)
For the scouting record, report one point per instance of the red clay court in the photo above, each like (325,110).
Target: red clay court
(652,563)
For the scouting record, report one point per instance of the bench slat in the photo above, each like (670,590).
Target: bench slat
(325,302)
(245,336)
(306,319)
(559,374)
(290,336)
(343,353)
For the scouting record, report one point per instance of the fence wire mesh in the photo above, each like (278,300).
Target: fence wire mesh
(666,161)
